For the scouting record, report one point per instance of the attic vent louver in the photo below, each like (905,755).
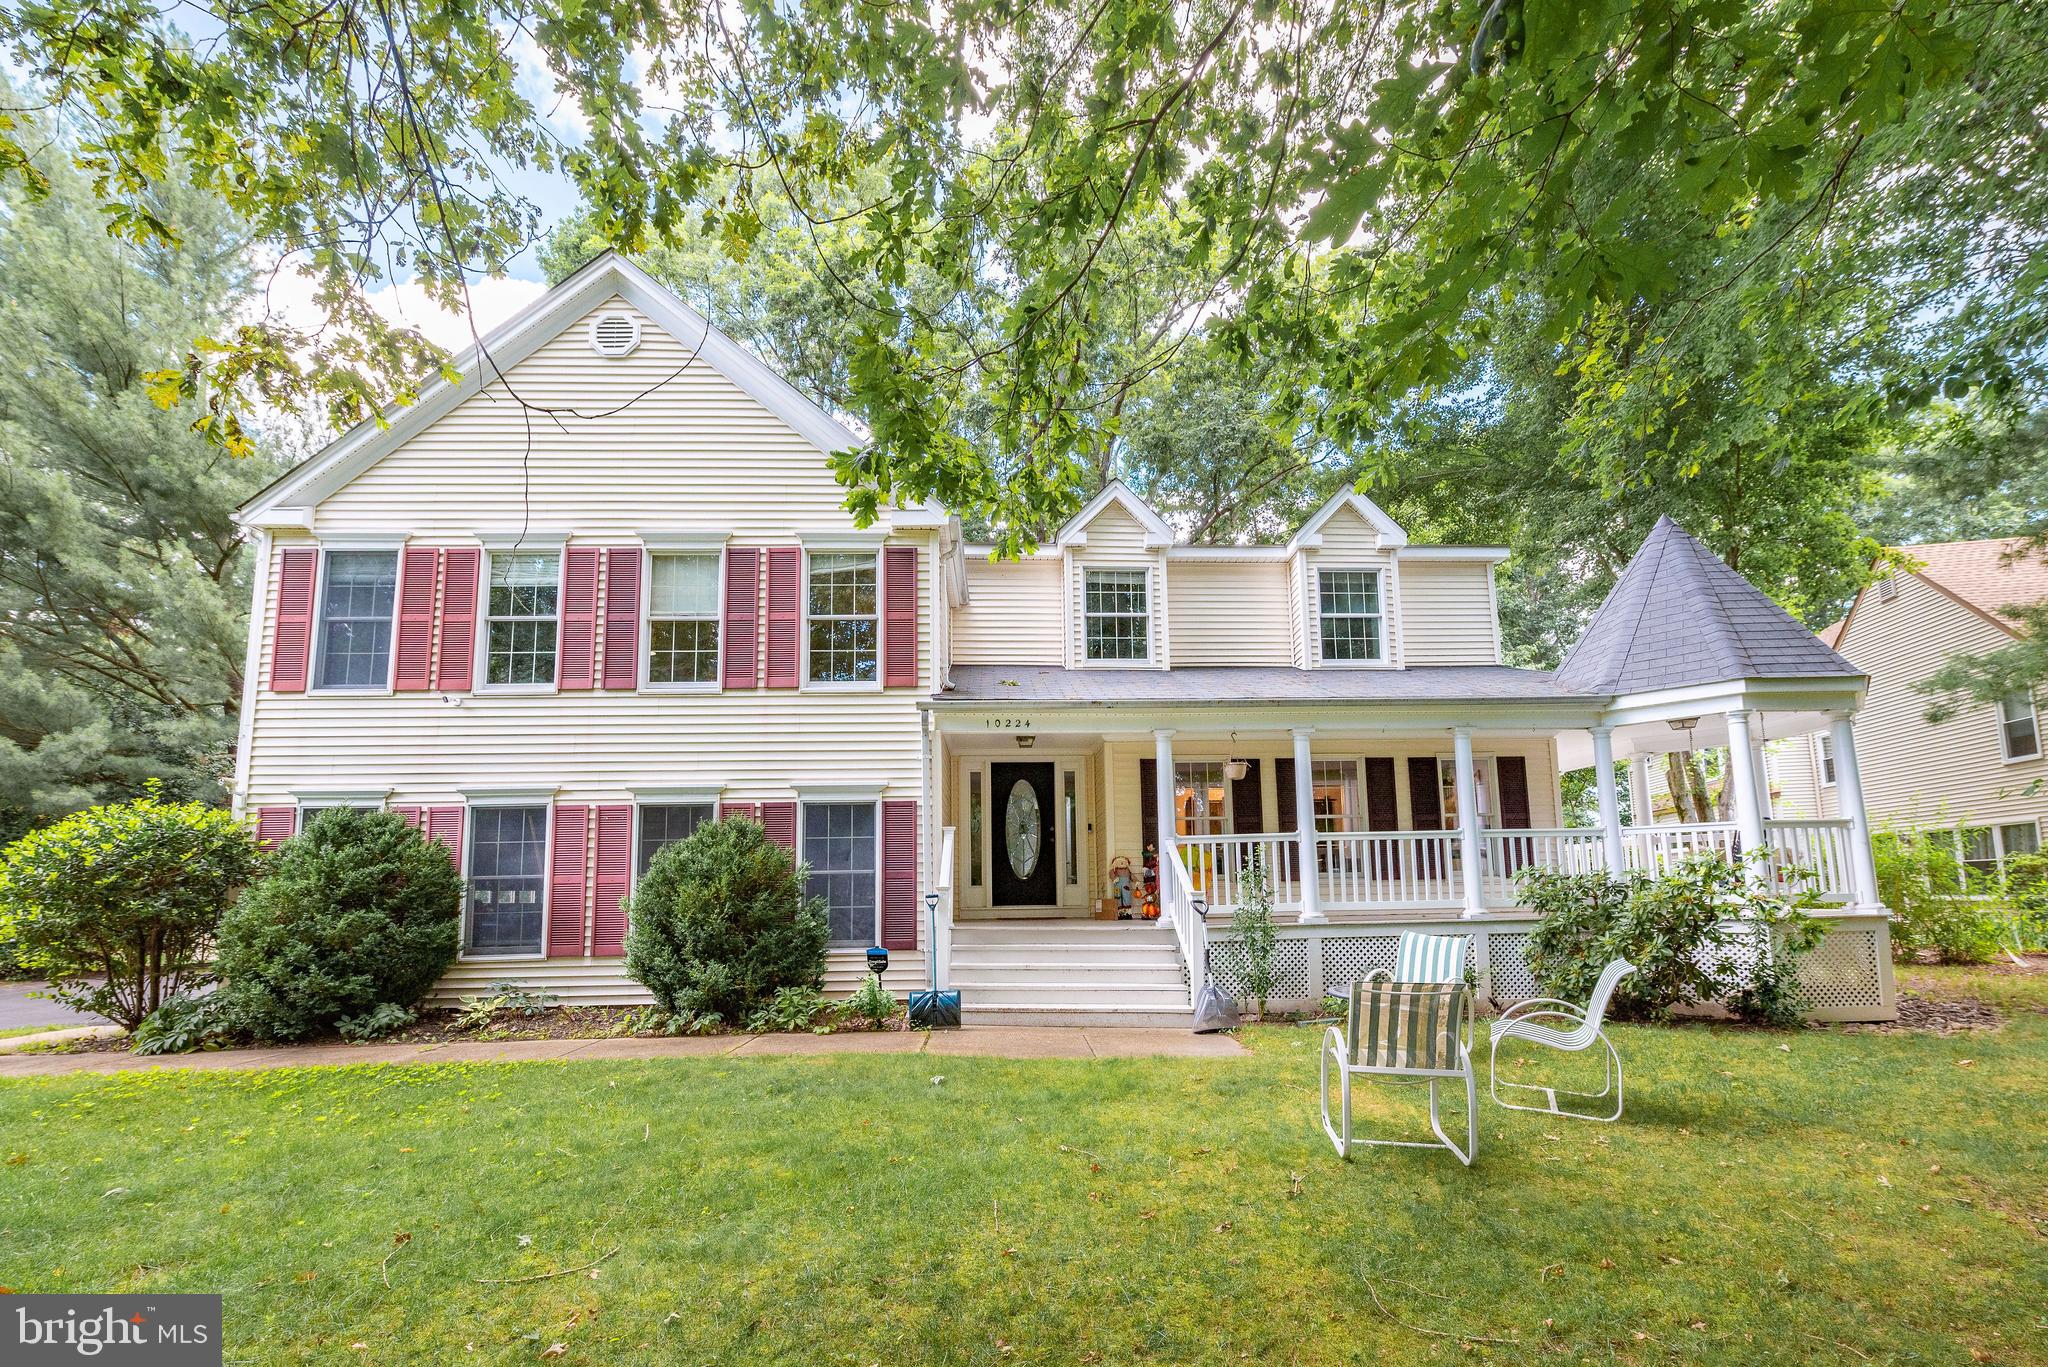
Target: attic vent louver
(1887,588)
(614,334)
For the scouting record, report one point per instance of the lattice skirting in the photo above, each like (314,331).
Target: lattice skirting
(1849,974)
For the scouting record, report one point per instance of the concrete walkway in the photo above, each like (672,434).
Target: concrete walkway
(978,1041)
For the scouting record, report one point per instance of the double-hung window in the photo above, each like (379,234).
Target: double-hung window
(2019,726)
(356,602)
(842,853)
(843,631)
(520,629)
(1333,788)
(1199,797)
(682,615)
(1116,615)
(664,824)
(1348,607)
(1824,747)
(508,849)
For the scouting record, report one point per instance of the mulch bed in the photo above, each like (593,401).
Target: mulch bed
(1934,1015)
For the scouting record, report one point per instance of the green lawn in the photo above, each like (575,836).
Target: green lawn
(1849,1198)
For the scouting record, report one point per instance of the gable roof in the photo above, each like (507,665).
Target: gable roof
(541,322)
(1157,532)
(1680,616)
(1988,576)
(1389,530)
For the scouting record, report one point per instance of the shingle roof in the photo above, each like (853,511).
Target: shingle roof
(1238,685)
(1679,616)
(1986,575)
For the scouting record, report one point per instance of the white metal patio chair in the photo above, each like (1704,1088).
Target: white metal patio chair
(1421,958)
(1521,1022)
(1401,1032)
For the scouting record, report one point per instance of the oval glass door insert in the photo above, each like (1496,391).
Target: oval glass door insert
(1020,828)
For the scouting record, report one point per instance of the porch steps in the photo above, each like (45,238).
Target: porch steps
(1069,973)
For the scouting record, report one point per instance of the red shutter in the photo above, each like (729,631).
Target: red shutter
(622,617)
(459,568)
(785,613)
(778,819)
(419,576)
(899,875)
(899,623)
(291,642)
(579,618)
(728,810)
(274,825)
(614,871)
(741,637)
(565,881)
(411,816)
(445,825)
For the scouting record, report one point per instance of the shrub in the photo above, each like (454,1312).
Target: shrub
(871,1002)
(1771,992)
(720,923)
(359,911)
(182,1025)
(791,1009)
(1253,922)
(480,1012)
(133,891)
(1929,891)
(2026,889)
(385,1018)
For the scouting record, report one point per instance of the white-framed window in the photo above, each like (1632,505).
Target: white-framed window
(309,810)
(522,619)
(1824,753)
(662,824)
(2019,727)
(842,848)
(1333,789)
(1351,616)
(507,884)
(843,623)
(682,619)
(358,600)
(2021,837)
(1201,798)
(1116,614)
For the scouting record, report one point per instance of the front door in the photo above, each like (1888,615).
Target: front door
(1026,849)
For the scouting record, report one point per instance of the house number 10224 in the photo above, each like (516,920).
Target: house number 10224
(1008,724)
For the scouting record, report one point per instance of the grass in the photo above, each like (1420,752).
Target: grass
(16,1031)
(1824,1197)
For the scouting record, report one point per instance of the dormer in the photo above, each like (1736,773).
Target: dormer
(1344,586)
(1114,557)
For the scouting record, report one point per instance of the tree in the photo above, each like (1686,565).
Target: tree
(1351,180)
(123,580)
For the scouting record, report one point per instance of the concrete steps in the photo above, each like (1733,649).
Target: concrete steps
(1069,973)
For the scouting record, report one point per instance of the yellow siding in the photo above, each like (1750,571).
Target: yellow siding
(1012,615)
(1789,766)
(1912,770)
(1447,613)
(1229,612)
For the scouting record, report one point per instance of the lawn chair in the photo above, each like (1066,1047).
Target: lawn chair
(1420,958)
(1401,1032)
(1519,1022)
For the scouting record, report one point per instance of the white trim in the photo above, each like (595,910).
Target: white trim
(1390,531)
(839,792)
(1383,582)
(480,678)
(682,542)
(541,322)
(252,665)
(645,664)
(1492,555)
(340,797)
(678,797)
(473,798)
(535,542)
(819,799)
(2033,718)
(316,648)
(1153,645)
(1261,552)
(843,542)
(1157,533)
(805,683)
(507,796)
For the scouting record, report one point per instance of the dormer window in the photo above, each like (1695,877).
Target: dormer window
(1348,606)
(1117,615)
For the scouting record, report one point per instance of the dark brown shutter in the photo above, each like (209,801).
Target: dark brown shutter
(1425,809)
(1285,815)
(1382,812)
(1148,802)
(1248,802)
(1514,792)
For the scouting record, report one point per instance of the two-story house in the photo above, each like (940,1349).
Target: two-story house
(603,589)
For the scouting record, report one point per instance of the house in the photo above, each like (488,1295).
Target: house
(1982,773)
(559,630)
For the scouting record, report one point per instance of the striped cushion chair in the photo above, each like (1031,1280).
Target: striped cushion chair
(1420,958)
(1401,1032)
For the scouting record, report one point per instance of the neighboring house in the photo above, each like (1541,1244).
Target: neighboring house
(1982,773)
(558,640)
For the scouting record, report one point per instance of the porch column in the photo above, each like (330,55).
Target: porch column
(1641,805)
(1305,828)
(1849,796)
(1610,800)
(1468,818)
(1162,788)
(1763,780)
(1749,818)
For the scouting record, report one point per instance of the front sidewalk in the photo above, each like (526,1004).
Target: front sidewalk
(980,1041)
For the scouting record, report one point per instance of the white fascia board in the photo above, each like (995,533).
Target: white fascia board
(697,795)
(924,515)
(1227,553)
(985,551)
(1157,533)
(276,519)
(684,541)
(1527,717)
(851,540)
(534,540)
(1492,555)
(839,792)
(1842,692)
(519,337)
(498,796)
(1390,531)
(340,797)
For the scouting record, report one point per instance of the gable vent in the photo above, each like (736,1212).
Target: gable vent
(614,334)
(1887,588)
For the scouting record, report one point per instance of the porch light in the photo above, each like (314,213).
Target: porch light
(1025,742)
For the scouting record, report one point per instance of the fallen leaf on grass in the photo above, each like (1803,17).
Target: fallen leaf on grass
(1224,1228)
(1607,1262)
(305,1276)
(554,1350)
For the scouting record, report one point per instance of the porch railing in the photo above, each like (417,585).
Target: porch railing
(1812,854)
(1655,848)
(1374,870)
(1503,854)
(1176,907)
(1218,865)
